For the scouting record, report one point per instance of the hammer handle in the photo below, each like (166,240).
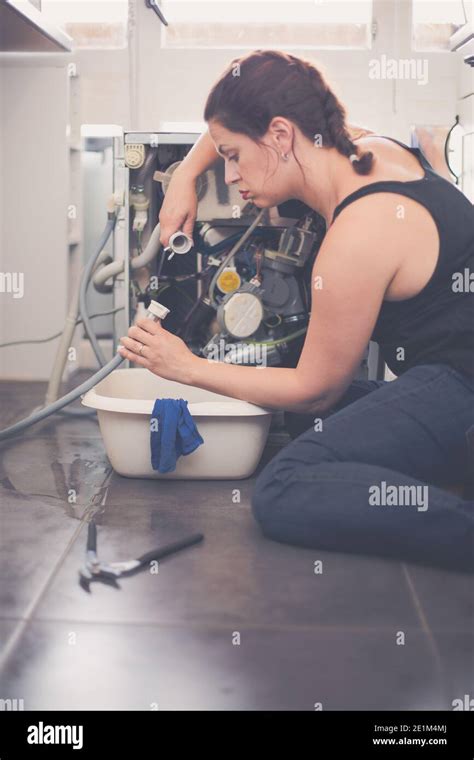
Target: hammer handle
(92,537)
(163,551)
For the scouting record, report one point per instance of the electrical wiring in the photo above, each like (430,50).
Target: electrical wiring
(56,335)
(277,342)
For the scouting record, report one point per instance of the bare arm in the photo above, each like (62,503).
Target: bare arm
(350,277)
(271,387)
(179,208)
(202,155)
(349,280)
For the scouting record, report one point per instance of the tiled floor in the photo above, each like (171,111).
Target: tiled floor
(237,622)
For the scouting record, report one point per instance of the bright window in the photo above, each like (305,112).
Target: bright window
(434,21)
(91,23)
(267,23)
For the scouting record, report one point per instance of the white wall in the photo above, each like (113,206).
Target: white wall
(34,230)
(2,174)
(138,89)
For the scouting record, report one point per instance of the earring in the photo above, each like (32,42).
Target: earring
(285,156)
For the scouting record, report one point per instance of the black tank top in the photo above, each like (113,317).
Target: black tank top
(436,325)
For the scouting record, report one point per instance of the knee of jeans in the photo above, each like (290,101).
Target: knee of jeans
(266,495)
(271,490)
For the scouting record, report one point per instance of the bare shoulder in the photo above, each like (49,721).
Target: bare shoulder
(356,132)
(364,229)
(380,213)
(383,149)
(387,236)
(371,215)
(392,161)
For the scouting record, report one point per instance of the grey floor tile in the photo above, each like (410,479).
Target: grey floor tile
(19,399)
(34,538)
(446,605)
(456,650)
(236,576)
(446,598)
(61,666)
(166,638)
(62,470)
(9,700)
(46,484)
(7,628)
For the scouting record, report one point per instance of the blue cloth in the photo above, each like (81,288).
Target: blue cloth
(173,432)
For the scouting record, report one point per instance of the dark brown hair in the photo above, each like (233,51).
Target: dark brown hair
(266,83)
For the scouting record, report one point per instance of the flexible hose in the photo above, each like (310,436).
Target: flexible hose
(37,416)
(106,369)
(69,329)
(41,414)
(72,321)
(79,412)
(61,353)
(104,261)
(89,268)
(61,358)
(114,268)
(141,174)
(152,249)
(108,270)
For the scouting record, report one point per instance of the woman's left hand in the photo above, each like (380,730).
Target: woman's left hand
(150,345)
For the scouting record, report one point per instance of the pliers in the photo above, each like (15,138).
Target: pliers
(95,569)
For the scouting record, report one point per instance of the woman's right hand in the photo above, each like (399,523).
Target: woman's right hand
(179,208)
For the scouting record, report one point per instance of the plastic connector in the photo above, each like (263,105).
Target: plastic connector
(157,311)
(112,204)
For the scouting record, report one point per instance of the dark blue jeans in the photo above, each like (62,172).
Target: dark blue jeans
(368,481)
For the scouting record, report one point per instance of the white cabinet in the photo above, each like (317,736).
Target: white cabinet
(464,50)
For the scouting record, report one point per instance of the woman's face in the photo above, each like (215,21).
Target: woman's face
(255,169)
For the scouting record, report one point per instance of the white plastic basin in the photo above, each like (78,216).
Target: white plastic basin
(234,431)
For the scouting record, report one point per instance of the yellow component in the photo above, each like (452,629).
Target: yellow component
(228,281)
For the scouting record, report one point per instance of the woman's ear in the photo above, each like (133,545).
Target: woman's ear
(282,133)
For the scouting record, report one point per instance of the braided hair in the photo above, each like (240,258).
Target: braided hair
(266,83)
